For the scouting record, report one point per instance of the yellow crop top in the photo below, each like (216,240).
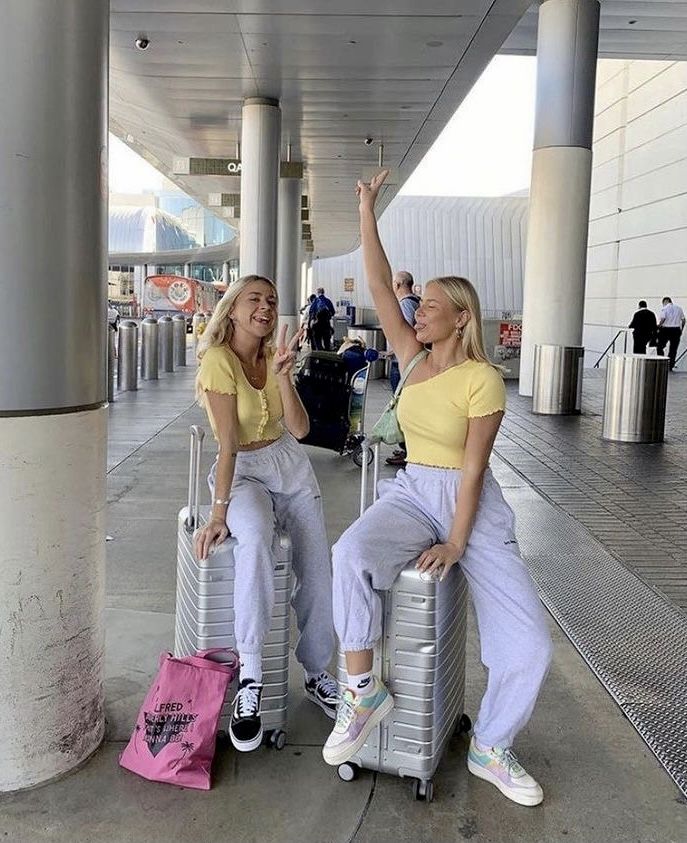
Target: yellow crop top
(259,410)
(433,414)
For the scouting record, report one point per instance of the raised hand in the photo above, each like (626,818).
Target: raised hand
(367,193)
(285,355)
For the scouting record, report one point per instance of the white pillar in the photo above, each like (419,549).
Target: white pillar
(288,249)
(225,273)
(53,417)
(260,140)
(555,266)
(187,270)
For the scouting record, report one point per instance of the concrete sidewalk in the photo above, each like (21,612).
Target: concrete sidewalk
(601,783)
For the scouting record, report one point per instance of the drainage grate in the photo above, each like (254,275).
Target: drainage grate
(629,635)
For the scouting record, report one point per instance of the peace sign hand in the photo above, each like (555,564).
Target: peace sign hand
(367,193)
(285,355)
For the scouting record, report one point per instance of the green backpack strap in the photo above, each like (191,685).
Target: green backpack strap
(409,368)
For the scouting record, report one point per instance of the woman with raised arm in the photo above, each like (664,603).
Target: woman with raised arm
(262,477)
(445,509)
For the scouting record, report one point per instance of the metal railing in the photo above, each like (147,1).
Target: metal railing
(610,349)
(677,359)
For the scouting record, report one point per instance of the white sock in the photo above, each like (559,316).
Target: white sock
(251,667)
(362,683)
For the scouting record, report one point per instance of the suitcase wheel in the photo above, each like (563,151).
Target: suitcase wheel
(347,772)
(464,726)
(276,739)
(357,455)
(423,791)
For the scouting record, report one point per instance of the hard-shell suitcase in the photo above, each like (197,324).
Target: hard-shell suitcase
(421,660)
(205,606)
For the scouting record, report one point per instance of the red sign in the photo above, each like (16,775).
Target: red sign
(510,334)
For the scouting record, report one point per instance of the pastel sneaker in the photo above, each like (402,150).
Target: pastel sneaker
(504,771)
(356,717)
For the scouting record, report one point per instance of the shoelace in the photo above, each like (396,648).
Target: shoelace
(344,713)
(509,760)
(248,701)
(327,685)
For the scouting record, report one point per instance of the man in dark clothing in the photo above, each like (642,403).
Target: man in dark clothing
(321,314)
(643,328)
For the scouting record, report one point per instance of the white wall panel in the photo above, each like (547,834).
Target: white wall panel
(658,151)
(663,183)
(482,239)
(649,259)
(660,89)
(639,72)
(655,217)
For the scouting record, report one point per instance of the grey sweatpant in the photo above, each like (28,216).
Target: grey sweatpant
(415,511)
(272,486)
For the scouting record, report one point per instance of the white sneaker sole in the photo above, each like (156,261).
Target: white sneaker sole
(246,746)
(330,712)
(340,754)
(528,800)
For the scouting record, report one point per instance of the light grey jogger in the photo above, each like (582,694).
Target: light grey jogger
(276,485)
(415,511)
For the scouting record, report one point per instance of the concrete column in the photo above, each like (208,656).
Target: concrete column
(260,140)
(225,273)
(53,421)
(288,250)
(187,270)
(555,267)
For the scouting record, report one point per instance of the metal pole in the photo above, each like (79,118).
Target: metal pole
(110,362)
(558,222)
(166,356)
(53,408)
(179,334)
(149,349)
(127,372)
(260,140)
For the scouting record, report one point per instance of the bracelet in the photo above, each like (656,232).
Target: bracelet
(219,502)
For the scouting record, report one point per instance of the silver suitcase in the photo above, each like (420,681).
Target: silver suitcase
(205,606)
(421,660)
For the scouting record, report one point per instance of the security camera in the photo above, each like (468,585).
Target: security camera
(142,43)
(369,141)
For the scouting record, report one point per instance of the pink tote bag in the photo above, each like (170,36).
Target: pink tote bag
(176,730)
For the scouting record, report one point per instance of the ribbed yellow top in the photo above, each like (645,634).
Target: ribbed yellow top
(434,414)
(259,410)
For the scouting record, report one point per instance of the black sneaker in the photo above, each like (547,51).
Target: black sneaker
(245,727)
(323,690)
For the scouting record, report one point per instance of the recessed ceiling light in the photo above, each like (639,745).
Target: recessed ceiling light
(435,43)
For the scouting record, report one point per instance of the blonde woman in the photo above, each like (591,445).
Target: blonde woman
(262,477)
(445,509)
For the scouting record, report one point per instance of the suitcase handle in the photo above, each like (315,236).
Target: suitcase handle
(366,445)
(197,436)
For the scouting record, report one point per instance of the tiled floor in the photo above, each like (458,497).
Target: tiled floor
(631,497)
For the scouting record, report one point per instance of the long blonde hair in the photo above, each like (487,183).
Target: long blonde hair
(464,296)
(220,328)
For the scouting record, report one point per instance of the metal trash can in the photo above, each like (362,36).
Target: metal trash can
(149,349)
(373,337)
(127,371)
(179,335)
(557,380)
(635,398)
(111,333)
(166,343)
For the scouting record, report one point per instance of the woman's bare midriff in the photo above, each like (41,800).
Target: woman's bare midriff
(256,446)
